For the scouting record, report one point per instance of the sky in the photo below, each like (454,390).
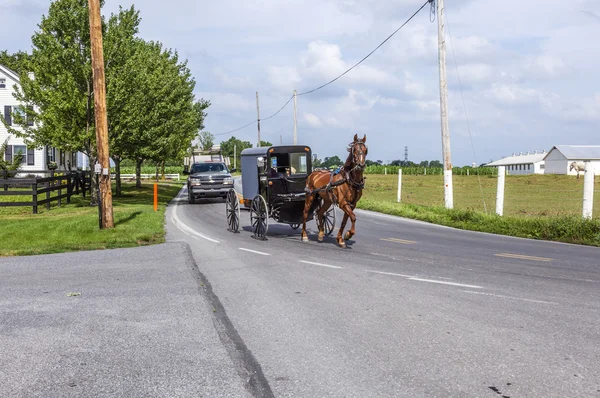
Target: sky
(522,76)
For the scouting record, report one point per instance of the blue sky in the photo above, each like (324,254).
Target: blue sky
(528,70)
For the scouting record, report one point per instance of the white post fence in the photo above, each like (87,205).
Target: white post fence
(399,185)
(500,191)
(588,191)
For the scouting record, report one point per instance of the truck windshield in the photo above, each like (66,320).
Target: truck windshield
(209,168)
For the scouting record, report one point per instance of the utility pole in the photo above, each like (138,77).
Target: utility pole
(280,139)
(295,121)
(234,156)
(258,118)
(100,114)
(448,196)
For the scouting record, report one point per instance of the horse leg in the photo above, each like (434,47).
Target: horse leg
(325,205)
(307,205)
(350,232)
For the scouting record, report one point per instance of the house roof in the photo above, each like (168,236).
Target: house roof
(9,73)
(519,159)
(578,152)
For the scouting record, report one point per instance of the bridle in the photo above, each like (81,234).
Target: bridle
(352,148)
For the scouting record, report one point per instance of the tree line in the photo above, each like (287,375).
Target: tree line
(153,114)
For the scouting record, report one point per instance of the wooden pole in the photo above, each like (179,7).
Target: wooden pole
(448,196)
(295,121)
(100,113)
(258,118)
(500,190)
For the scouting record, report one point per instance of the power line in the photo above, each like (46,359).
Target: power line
(331,81)
(369,54)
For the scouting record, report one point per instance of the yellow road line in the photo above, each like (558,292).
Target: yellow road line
(396,240)
(523,257)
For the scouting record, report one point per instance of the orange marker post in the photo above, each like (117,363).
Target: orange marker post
(155,197)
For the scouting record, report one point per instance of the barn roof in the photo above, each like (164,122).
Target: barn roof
(578,152)
(519,159)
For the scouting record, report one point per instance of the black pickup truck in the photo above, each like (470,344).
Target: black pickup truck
(208,180)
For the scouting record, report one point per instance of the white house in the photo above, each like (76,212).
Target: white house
(33,158)
(560,156)
(517,164)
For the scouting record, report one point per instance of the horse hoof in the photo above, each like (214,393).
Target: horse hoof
(320,239)
(342,244)
(305,239)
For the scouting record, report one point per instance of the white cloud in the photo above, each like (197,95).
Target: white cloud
(312,120)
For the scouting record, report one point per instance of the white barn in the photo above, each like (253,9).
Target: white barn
(560,156)
(520,164)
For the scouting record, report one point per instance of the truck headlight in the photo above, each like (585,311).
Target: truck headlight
(228,181)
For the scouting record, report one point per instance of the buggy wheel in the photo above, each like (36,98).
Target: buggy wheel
(232,210)
(295,226)
(259,217)
(329,220)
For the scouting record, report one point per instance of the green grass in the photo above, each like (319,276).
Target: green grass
(74,226)
(537,206)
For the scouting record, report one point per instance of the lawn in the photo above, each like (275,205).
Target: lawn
(536,206)
(74,226)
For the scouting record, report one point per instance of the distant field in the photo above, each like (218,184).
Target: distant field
(525,196)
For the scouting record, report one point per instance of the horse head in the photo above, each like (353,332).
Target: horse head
(358,152)
(572,166)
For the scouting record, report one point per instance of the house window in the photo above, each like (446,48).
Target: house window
(2,83)
(22,149)
(7,114)
(51,154)
(542,166)
(528,167)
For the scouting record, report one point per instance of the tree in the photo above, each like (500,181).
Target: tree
(396,163)
(424,163)
(227,148)
(60,98)
(435,163)
(265,143)
(158,116)
(207,140)
(15,62)
(14,164)
(333,161)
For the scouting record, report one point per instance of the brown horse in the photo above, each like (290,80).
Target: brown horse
(345,188)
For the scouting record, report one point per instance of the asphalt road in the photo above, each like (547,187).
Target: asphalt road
(408,309)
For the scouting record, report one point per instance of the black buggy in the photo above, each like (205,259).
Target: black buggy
(273,182)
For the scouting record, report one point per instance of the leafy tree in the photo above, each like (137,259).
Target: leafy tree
(60,98)
(265,143)
(227,148)
(15,62)
(333,161)
(435,163)
(17,158)
(424,163)
(207,140)
(395,162)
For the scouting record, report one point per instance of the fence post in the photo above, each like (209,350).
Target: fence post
(424,171)
(500,191)
(5,177)
(34,198)
(399,185)
(59,192)
(69,187)
(588,191)
(48,186)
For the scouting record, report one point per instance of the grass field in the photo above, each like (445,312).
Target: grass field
(536,206)
(75,226)
(527,196)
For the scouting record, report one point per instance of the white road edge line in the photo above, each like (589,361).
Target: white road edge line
(254,251)
(322,265)
(512,298)
(183,227)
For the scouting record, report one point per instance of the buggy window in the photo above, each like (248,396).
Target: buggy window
(298,162)
(209,167)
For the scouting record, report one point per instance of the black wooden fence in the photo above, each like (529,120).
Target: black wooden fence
(66,184)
